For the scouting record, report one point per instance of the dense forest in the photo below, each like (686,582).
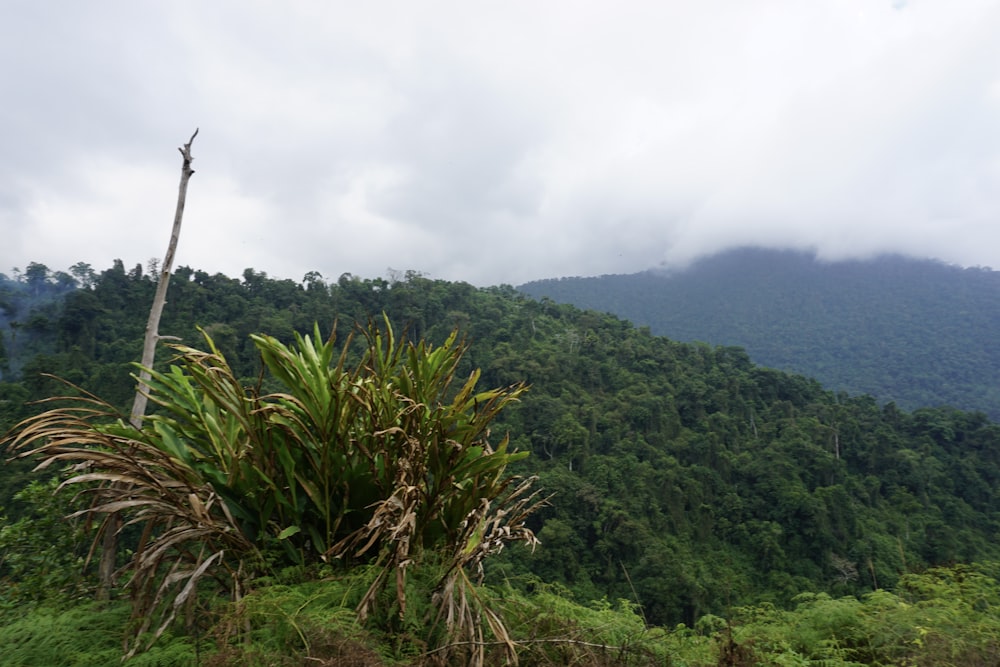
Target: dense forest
(914,332)
(684,479)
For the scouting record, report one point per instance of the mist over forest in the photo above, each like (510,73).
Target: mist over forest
(913,332)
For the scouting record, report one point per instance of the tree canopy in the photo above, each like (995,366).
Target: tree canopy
(913,332)
(684,478)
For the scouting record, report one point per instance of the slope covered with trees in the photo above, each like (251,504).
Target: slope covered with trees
(28,302)
(685,479)
(913,332)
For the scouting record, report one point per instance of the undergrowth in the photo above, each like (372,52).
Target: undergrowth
(85,635)
(948,616)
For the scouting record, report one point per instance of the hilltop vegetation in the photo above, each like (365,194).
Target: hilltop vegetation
(914,332)
(687,481)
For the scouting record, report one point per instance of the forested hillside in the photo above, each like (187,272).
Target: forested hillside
(28,302)
(914,332)
(685,478)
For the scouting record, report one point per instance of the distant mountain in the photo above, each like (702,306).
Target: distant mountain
(913,332)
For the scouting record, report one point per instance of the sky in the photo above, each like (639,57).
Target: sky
(497,142)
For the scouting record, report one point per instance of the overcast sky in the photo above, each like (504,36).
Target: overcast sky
(497,142)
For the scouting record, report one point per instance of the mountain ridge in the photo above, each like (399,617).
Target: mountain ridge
(913,332)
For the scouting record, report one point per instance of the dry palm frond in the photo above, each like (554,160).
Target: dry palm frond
(124,472)
(386,462)
(487,530)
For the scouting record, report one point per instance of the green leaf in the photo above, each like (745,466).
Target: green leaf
(288,532)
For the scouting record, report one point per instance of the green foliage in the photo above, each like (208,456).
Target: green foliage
(946,616)
(383,462)
(30,304)
(314,622)
(83,635)
(687,480)
(904,330)
(551,629)
(42,552)
(289,624)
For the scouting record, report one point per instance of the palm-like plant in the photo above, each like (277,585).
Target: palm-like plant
(386,461)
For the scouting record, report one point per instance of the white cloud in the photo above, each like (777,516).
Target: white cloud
(500,142)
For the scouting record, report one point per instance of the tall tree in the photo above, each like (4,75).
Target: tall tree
(112,524)
(153,325)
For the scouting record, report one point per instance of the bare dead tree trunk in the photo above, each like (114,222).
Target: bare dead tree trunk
(109,551)
(160,299)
